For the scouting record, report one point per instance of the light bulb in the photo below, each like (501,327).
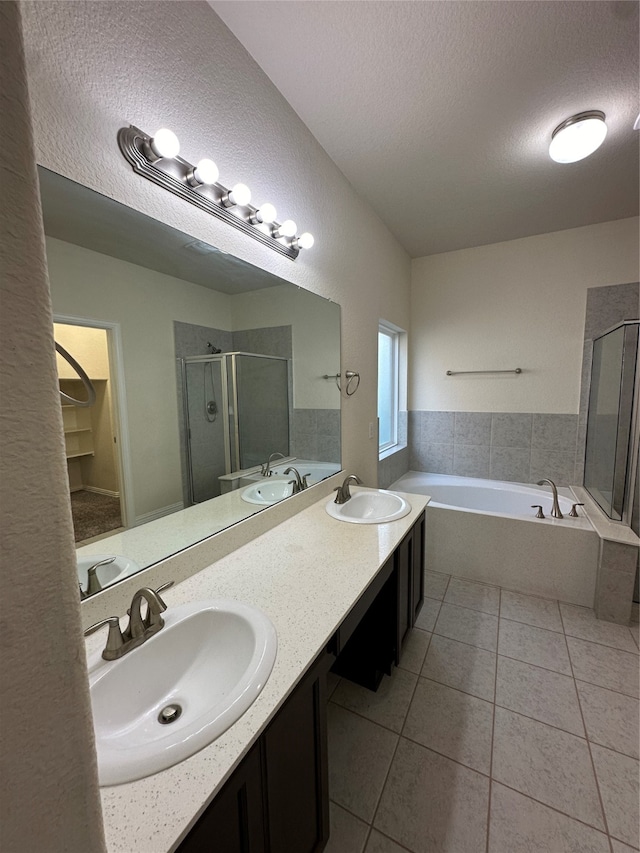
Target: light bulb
(165,143)
(577,137)
(240,194)
(287,229)
(305,241)
(206,172)
(267,213)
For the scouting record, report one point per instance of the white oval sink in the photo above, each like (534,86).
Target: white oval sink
(267,492)
(370,506)
(211,658)
(121,567)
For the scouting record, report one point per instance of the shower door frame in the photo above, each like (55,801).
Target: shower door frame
(231,464)
(205,359)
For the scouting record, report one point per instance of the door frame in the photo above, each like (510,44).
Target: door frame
(119,400)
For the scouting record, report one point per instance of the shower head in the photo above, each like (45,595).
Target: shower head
(212,350)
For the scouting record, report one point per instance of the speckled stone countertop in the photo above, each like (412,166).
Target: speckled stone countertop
(306,574)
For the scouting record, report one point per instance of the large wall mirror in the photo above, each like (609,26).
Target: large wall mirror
(205,368)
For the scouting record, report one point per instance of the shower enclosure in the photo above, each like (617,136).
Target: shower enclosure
(236,413)
(611,460)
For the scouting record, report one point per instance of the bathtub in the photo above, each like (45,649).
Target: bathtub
(486,531)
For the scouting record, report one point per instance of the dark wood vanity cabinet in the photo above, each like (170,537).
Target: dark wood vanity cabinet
(277,800)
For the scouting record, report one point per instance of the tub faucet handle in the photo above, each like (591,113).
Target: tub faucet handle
(574,511)
(539,514)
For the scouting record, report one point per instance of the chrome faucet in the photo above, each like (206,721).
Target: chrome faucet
(139,629)
(300,483)
(344,494)
(265,470)
(555,510)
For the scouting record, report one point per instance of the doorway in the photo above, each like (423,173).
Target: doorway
(93,435)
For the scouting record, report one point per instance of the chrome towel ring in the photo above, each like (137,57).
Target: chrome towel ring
(91,391)
(350,376)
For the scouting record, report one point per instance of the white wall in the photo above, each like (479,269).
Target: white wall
(515,304)
(95,67)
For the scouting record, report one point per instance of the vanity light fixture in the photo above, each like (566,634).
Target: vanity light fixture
(287,229)
(205,173)
(164,144)
(266,213)
(240,194)
(157,159)
(578,137)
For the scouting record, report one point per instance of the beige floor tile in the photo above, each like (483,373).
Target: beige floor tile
(618,780)
(582,622)
(534,645)
(452,723)
(521,825)
(546,696)
(348,833)
(435,585)
(388,706)
(476,596)
(428,615)
(547,764)
(433,805)
(414,651)
(379,843)
(635,633)
(611,718)
(462,666)
(468,626)
(606,667)
(359,756)
(540,612)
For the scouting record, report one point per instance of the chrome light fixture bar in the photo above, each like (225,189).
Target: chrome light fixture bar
(198,184)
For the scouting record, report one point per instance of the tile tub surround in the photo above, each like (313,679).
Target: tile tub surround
(297,574)
(519,447)
(543,756)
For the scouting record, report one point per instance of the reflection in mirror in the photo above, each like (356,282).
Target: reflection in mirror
(204,368)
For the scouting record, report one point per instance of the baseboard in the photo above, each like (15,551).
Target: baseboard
(158,513)
(98,491)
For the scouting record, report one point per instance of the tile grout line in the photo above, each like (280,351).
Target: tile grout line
(593,766)
(493,728)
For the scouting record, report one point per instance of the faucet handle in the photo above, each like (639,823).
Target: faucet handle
(574,511)
(115,640)
(539,514)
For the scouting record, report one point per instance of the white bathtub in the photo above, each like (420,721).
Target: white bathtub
(485,530)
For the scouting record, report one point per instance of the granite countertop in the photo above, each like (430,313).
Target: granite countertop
(306,574)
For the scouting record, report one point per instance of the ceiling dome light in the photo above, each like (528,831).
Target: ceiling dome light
(305,241)
(240,194)
(206,172)
(577,137)
(165,143)
(267,214)
(287,229)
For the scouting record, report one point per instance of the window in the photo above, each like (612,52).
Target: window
(389,359)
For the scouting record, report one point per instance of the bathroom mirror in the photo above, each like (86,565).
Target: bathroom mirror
(204,366)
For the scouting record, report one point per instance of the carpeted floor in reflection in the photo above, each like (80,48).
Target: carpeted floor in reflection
(94,514)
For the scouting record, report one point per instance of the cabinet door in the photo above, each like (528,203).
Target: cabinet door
(418,533)
(404,578)
(296,772)
(234,822)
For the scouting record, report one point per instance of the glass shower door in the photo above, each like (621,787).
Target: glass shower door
(207,431)
(609,423)
(262,416)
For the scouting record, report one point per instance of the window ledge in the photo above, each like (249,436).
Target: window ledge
(384,454)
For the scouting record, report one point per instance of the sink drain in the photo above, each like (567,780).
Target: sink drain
(169,714)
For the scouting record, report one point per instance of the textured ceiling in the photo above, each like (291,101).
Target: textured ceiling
(440,113)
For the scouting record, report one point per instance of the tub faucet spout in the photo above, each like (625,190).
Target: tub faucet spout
(555,510)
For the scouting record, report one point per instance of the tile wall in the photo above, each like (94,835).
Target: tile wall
(519,447)
(315,434)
